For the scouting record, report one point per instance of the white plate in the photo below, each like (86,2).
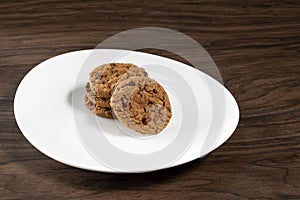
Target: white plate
(52,116)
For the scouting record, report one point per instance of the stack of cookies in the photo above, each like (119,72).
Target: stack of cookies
(124,91)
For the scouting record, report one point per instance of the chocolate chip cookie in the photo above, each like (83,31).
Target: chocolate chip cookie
(141,104)
(97,110)
(98,101)
(104,78)
(131,73)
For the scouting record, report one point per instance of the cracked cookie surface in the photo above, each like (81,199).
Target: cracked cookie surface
(141,104)
(98,101)
(97,110)
(104,78)
(131,73)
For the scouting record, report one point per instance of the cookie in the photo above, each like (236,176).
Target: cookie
(95,75)
(104,78)
(141,104)
(100,102)
(132,72)
(100,111)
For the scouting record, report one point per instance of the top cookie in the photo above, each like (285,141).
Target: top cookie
(104,78)
(140,103)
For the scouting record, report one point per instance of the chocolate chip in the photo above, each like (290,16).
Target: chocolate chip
(145,121)
(124,102)
(98,75)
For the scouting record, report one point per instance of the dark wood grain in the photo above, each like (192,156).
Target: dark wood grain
(256,47)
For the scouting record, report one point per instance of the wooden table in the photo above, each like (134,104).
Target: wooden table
(256,47)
